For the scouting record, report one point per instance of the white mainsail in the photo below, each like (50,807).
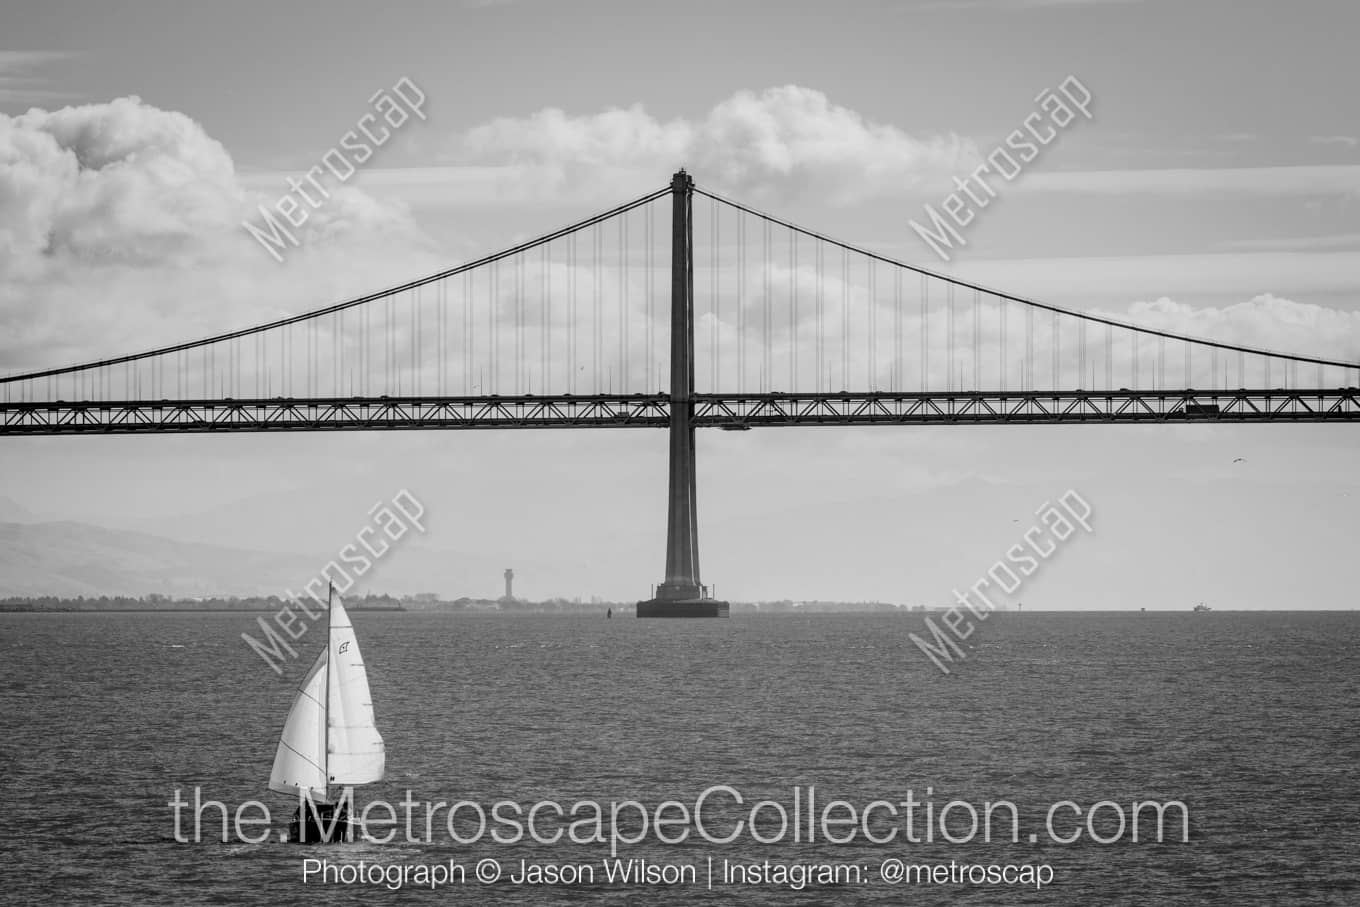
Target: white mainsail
(300,763)
(330,736)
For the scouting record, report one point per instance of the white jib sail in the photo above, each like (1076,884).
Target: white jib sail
(300,763)
(357,754)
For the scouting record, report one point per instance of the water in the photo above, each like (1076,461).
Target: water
(1250,719)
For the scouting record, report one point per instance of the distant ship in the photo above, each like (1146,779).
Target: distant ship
(1201,607)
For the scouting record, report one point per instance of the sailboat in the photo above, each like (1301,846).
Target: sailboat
(329,739)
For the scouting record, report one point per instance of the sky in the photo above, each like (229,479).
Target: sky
(1215,189)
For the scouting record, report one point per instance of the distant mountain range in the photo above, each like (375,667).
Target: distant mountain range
(11,511)
(70,559)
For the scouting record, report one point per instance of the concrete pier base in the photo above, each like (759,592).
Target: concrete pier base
(694,607)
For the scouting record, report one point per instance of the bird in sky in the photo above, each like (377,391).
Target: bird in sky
(1239,459)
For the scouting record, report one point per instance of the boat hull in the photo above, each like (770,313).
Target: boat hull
(322,827)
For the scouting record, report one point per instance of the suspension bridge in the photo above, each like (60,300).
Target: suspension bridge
(657,315)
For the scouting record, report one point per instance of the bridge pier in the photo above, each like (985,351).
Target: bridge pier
(681,594)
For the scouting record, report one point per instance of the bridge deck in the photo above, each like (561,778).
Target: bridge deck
(726,411)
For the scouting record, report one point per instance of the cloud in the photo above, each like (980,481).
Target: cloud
(19,84)
(114,214)
(1292,243)
(615,138)
(1265,322)
(1348,141)
(1316,180)
(116,181)
(1083,281)
(787,141)
(779,144)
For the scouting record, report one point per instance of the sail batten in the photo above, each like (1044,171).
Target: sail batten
(330,736)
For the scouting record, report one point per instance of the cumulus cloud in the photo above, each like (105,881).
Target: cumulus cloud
(1265,322)
(116,181)
(619,137)
(112,214)
(786,140)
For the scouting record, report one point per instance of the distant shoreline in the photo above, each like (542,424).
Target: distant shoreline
(144,609)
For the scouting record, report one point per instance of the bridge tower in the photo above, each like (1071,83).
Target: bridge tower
(681,594)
